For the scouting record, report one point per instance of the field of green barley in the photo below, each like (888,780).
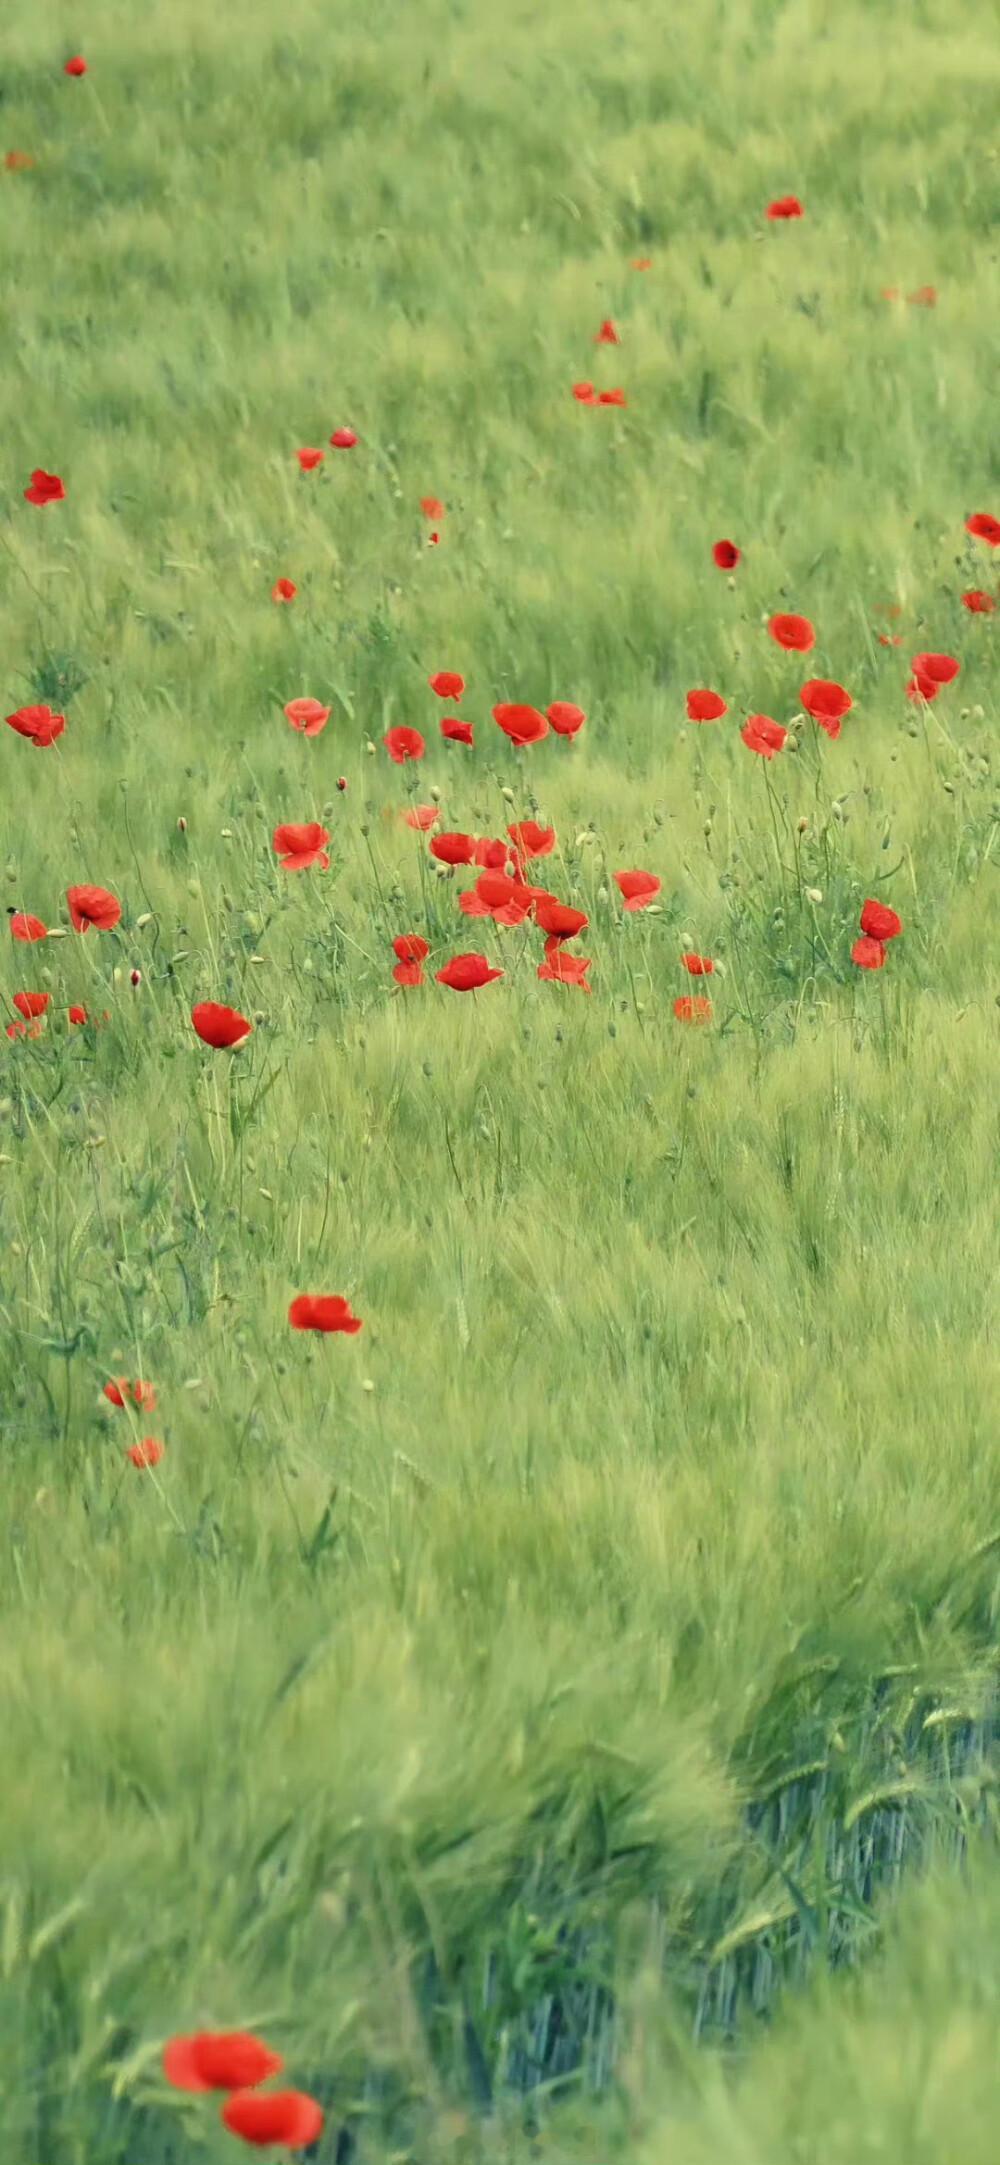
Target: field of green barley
(559,1717)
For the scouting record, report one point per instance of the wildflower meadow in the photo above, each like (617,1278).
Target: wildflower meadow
(499,577)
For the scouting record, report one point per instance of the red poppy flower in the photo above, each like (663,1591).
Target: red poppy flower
(921,687)
(607,335)
(705,706)
(277,2117)
(307,716)
(456,732)
(323,1312)
(404,744)
(585,394)
(76,66)
(726,555)
(432,507)
(531,840)
(147,1453)
(558,920)
(467,973)
(638,889)
(785,206)
(410,947)
(283,590)
(453,848)
(18,161)
(693,1007)
(984,527)
(223,1028)
(559,968)
(310,459)
(25,1029)
(523,725)
(761,735)
(941,668)
(219,2060)
(880,922)
(120,1388)
(565,718)
(31,1004)
(77,1014)
(794,633)
(886,638)
(508,901)
(433,539)
(868,954)
(93,906)
(980,604)
(447,684)
(343,439)
(698,965)
(642,263)
(612,398)
(408,973)
(38,723)
(298,847)
(924,297)
(492,855)
(827,703)
(25,927)
(422,817)
(44,488)
(890,293)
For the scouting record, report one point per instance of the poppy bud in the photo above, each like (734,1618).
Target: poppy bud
(435,795)
(226,833)
(136,977)
(813,894)
(342,781)
(802,824)
(144,920)
(707,829)
(369,748)
(508,796)
(182,825)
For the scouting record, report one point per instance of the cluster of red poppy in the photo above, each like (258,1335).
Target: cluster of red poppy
(237,2063)
(878,924)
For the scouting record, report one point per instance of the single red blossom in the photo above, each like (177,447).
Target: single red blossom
(642,263)
(77,1014)
(408,973)
(785,206)
(447,684)
(890,293)
(827,703)
(566,719)
(698,965)
(705,706)
(341,781)
(638,889)
(607,335)
(523,725)
(794,633)
(457,732)
(25,927)
(44,488)
(531,840)
(693,1007)
(147,1453)
(984,527)
(508,901)
(297,846)
(310,458)
(224,1028)
(559,968)
(491,855)
(880,922)
(76,66)
(979,603)
(93,906)
(31,1004)
(869,954)
(941,668)
(403,744)
(924,297)
(433,538)
(761,735)
(922,687)
(558,920)
(307,716)
(453,848)
(219,2060)
(343,439)
(410,947)
(726,555)
(268,2118)
(284,590)
(585,394)
(422,817)
(39,724)
(467,973)
(432,507)
(612,398)
(323,1312)
(18,161)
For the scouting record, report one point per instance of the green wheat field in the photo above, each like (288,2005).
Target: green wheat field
(559,1717)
